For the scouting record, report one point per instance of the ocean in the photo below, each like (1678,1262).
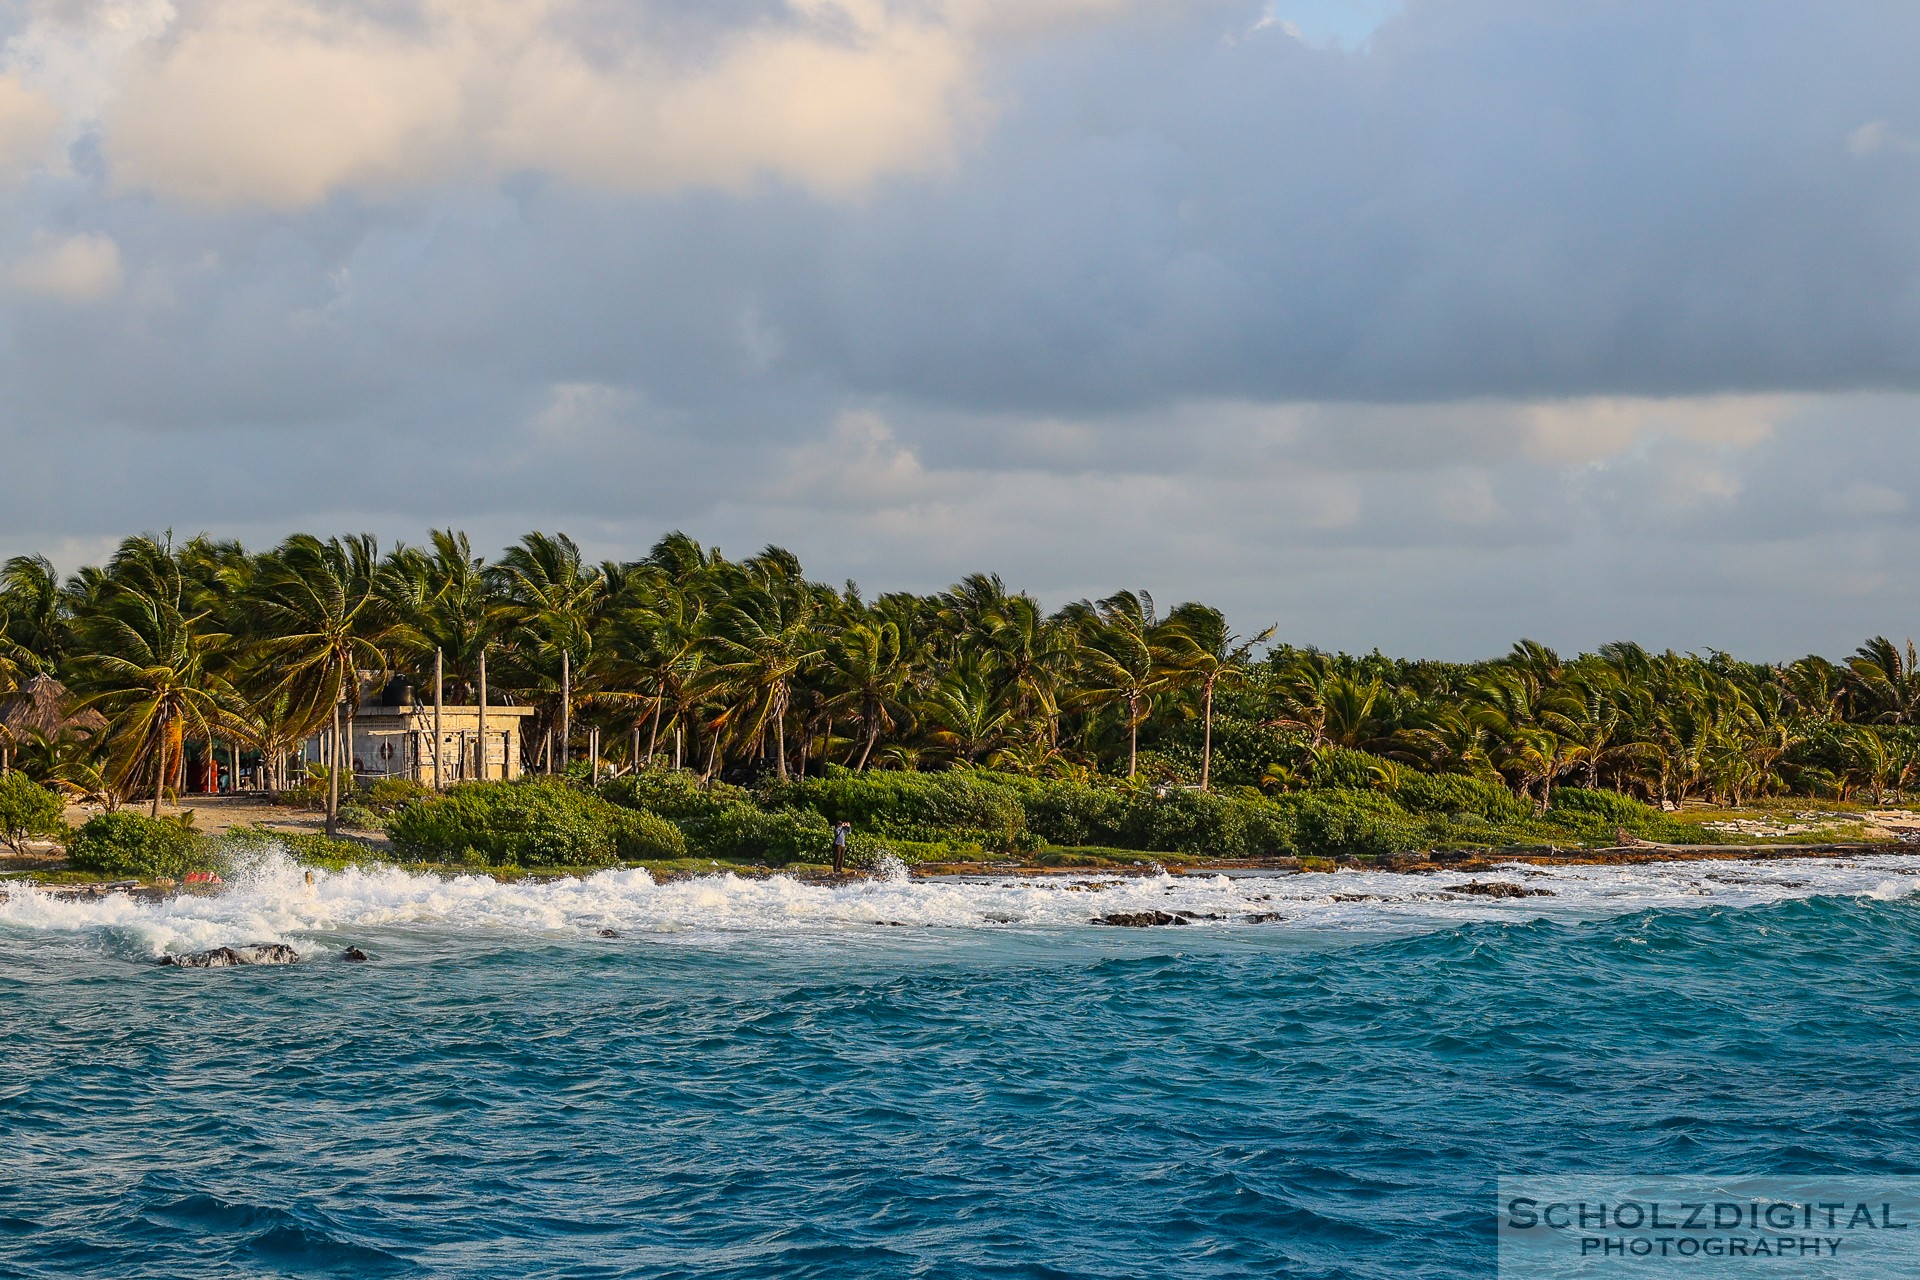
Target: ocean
(1318,1076)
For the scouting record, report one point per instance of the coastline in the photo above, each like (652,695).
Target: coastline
(1458,863)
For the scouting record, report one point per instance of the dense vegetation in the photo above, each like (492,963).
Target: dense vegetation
(973,714)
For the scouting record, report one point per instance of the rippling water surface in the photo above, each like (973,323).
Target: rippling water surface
(927,1079)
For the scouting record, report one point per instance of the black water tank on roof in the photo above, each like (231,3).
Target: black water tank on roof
(398,693)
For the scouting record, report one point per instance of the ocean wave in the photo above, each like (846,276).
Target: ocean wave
(274,900)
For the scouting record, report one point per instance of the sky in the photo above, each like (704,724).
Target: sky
(1422,325)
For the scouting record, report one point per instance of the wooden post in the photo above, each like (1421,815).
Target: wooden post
(483,713)
(593,752)
(566,710)
(439,778)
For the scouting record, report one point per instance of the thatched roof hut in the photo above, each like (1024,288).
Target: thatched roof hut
(41,706)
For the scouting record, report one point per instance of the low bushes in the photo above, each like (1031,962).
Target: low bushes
(1351,824)
(28,809)
(1184,820)
(910,806)
(132,844)
(1600,816)
(531,822)
(1455,794)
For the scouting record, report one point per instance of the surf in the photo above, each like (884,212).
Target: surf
(269,898)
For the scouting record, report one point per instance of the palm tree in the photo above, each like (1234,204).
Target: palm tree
(760,642)
(553,603)
(1888,681)
(145,665)
(1125,658)
(1206,653)
(324,616)
(867,670)
(967,720)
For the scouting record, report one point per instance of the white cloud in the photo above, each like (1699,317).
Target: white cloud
(282,103)
(77,268)
(29,123)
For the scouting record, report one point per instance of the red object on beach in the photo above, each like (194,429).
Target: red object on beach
(204,877)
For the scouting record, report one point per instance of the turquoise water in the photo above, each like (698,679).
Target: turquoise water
(774,1081)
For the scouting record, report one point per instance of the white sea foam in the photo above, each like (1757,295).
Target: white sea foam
(271,900)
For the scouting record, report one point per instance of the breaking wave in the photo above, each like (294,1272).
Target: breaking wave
(272,899)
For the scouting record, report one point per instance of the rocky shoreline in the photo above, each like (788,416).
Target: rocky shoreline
(1427,863)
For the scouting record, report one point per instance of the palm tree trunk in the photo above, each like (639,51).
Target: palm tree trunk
(653,733)
(159,766)
(1206,742)
(1133,737)
(780,741)
(333,777)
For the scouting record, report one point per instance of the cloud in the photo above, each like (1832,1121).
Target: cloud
(283,103)
(29,122)
(1496,317)
(77,268)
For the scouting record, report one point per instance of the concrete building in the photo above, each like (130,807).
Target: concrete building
(393,738)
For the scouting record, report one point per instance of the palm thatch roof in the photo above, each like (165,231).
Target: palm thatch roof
(41,706)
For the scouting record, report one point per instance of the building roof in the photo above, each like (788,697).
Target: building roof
(42,706)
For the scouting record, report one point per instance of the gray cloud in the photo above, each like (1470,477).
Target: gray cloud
(1572,320)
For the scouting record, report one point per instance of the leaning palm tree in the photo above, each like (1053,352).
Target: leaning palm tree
(1125,659)
(144,665)
(965,717)
(552,604)
(1888,681)
(442,602)
(323,618)
(1211,657)
(866,672)
(759,643)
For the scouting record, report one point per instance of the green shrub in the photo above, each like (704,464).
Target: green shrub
(301,846)
(1067,813)
(1185,820)
(1454,794)
(646,837)
(1243,748)
(1601,815)
(742,832)
(28,809)
(132,844)
(354,814)
(386,796)
(529,822)
(673,794)
(1350,824)
(910,806)
(1342,769)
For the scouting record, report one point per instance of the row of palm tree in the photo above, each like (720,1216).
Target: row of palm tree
(685,657)
(1669,727)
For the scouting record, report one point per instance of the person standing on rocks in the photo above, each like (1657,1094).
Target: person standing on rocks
(841,830)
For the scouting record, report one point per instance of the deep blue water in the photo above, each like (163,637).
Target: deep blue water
(931,1103)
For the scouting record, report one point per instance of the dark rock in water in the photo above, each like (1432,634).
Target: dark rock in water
(1266,917)
(353,955)
(1358,897)
(1198,915)
(225,957)
(609,933)
(1139,919)
(1498,889)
